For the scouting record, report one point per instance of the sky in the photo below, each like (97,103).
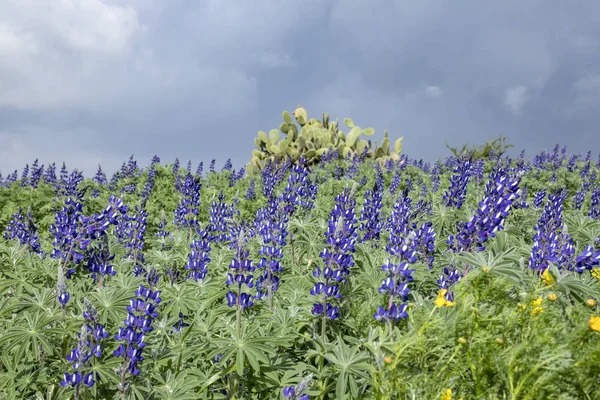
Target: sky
(92,82)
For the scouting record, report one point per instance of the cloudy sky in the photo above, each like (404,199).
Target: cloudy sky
(94,81)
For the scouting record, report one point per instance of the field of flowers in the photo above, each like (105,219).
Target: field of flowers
(345,279)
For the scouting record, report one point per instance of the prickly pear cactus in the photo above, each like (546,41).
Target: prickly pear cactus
(298,135)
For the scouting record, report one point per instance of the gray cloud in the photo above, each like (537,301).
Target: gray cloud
(96,80)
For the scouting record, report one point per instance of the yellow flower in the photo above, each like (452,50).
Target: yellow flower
(537,302)
(388,360)
(590,302)
(522,306)
(596,273)
(536,311)
(595,323)
(441,299)
(447,394)
(552,297)
(485,269)
(547,278)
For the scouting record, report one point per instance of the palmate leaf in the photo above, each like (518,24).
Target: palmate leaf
(15,282)
(247,349)
(503,264)
(30,334)
(580,286)
(110,303)
(40,300)
(282,371)
(180,297)
(351,364)
(176,387)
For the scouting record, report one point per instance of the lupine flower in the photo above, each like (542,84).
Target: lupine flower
(178,327)
(251,193)
(501,191)
(50,174)
(99,262)
(79,357)
(300,192)
(36,174)
(271,224)
(89,346)
(24,231)
(199,257)
(100,177)
(241,268)
(268,179)
(538,199)
(425,243)
(594,211)
(187,211)
(549,244)
(141,312)
(337,256)
(587,260)
(61,288)
(132,232)
(449,277)
(218,226)
(73,232)
(25,175)
(455,196)
(211,167)
(371,221)
(162,233)
(297,392)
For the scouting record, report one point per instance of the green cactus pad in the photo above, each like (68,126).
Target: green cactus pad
(398,145)
(368,131)
(263,136)
(301,116)
(287,118)
(274,136)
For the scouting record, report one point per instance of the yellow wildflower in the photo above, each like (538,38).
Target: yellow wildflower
(447,394)
(537,311)
(522,306)
(537,302)
(590,302)
(388,360)
(485,269)
(441,299)
(552,297)
(594,323)
(596,273)
(547,278)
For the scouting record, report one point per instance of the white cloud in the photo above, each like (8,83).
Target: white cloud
(515,98)
(433,91)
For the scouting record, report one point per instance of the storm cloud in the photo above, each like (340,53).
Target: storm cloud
(94,81)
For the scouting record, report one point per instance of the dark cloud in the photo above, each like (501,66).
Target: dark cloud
(197,80)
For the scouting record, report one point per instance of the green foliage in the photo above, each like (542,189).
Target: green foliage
(497,147)
(494,343)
